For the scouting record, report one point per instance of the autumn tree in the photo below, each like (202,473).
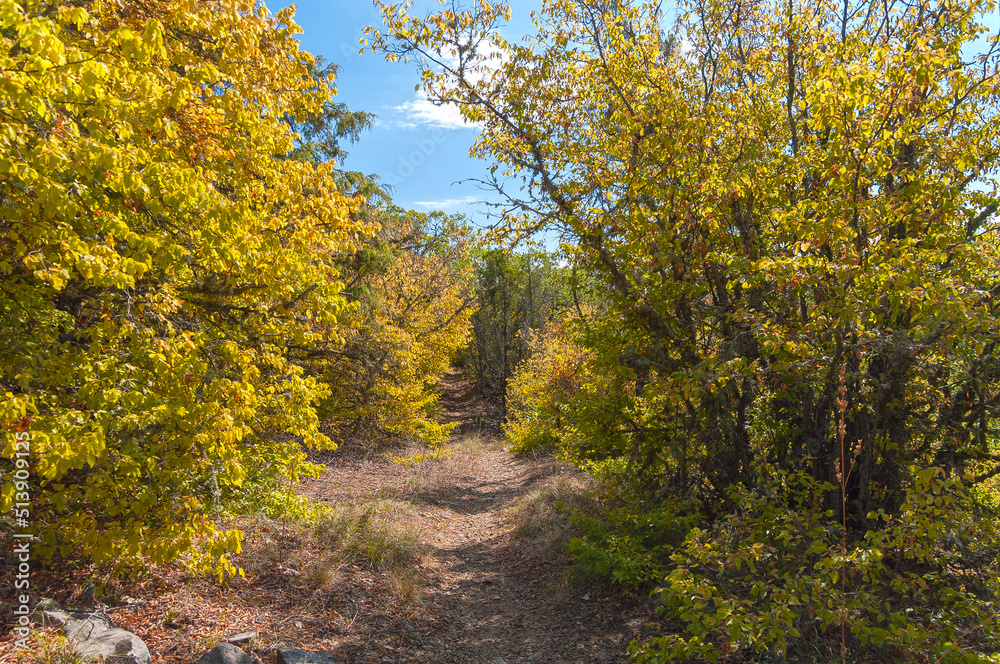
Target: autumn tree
(410,290)
(158,255)
(767,201)
(322,136)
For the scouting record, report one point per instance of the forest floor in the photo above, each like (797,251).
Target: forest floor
(468,586)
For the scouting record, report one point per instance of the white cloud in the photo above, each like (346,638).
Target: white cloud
(421,112)
(447,203)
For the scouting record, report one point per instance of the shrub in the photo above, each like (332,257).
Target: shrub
(149,304)
(630,545)
(538,392)
(774,578)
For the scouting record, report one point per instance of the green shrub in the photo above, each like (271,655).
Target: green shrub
(922,586)
(629,545)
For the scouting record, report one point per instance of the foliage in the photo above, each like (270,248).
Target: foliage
(788,213)
(630,545)
(413,305)
(768,579)
(277,498)
(157,256)
(756,222)
(517,296)
(539,392)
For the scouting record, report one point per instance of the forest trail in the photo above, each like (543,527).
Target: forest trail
(485,598)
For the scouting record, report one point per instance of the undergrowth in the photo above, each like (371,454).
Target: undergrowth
(48,646)
(544,515)
(374,533)
(378,533)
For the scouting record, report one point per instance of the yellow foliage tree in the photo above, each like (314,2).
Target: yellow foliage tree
(157,256)
(414,304)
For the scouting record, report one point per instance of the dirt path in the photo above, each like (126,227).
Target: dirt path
(489,599)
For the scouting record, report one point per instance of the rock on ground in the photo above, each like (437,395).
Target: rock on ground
(225,653)
(95,636)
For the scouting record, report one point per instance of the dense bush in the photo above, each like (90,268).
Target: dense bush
(188,283)
(158,256)
(412,298)
(778,576)
(629,545)
(539,392)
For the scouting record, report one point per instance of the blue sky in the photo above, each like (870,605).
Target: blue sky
(421,150)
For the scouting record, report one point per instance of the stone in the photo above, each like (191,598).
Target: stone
(83,627)
(225,653)
(115,646)
(297,656)
(47,618)
(95,635)
(49,614)
(47,604)
(242,637)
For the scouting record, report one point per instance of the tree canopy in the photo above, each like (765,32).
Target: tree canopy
(769,193)
(158,254)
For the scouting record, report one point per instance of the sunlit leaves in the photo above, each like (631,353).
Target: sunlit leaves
(410,291)
(158,255)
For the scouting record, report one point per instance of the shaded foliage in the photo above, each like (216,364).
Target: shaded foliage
(518,295)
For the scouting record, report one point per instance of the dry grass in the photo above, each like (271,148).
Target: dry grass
(426,476)
(405,584)
(542,516)
(379,532)
(475,443)
(324,571)
(437,476)
(48,646)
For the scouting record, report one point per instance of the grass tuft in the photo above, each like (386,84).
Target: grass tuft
(542,516)
(50,647)
(475,443)
(405,584)
(380,532)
